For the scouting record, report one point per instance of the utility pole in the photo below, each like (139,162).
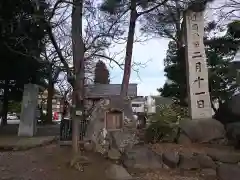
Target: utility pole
(78,62)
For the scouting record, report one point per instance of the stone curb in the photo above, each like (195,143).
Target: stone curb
(27,147)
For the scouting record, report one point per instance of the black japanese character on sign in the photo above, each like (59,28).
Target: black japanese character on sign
(197,55)
(196,44)
(193,17)
(195,36)
(198,67)
(200,103)
(199,93)
(199,81)
(195,27)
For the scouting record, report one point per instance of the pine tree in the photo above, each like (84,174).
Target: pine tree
(101,73)
(222,83)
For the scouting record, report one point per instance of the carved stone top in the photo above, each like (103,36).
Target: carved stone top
(117,103)
(198,5)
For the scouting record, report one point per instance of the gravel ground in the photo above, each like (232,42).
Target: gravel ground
(52,163)
(169,175)
(42,130)
(47,163)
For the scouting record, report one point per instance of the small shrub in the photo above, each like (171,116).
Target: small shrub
(156,131)
(164,124)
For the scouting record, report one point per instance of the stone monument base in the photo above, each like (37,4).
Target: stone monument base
(28,120)
(26,130)
(202,131)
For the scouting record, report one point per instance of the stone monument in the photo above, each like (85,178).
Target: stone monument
(197,71)
(28,120)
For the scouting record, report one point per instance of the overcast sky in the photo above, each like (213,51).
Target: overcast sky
(150,75)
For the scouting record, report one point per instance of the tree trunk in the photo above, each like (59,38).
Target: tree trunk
(50,97)
(78,61)
(5,103)
(129,50)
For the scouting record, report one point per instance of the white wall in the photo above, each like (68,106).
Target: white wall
(137,106)
(151,106)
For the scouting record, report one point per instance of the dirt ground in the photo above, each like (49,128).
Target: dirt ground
(191,148)
(48,163)
(52,163)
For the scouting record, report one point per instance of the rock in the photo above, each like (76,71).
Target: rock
(80,159)
(228,112)
(171,159)
(223,141)
(205,161)
(208,174)
(100,149)
(233,133)
(183,139)
(114,154)
(78,162)
(98,134)
(117,172)
(188,162)
(224,157)
(164,166)
(203,131)
(95,124)
(228,172)
(124,139)
(141,157)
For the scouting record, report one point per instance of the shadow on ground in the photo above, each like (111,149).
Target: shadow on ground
(48,163)
(42,130)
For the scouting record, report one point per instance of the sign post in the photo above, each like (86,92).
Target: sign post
(197,70)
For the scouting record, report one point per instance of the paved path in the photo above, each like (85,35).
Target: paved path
(13,121)
(14,143)
(42,130)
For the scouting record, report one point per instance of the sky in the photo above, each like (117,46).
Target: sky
(152,54)
(150,74)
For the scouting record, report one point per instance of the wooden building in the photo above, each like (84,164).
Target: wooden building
(104,91)
(111,92)
(116,111)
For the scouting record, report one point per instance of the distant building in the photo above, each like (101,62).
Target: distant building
(151,105)
(142,104)
(138,104)
(111,92)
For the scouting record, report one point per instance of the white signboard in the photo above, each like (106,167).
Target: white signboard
(237,56)
(197,71)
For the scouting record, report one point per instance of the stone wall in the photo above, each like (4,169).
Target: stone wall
(112,144)
(201,131)
(96,122)
(211,165)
